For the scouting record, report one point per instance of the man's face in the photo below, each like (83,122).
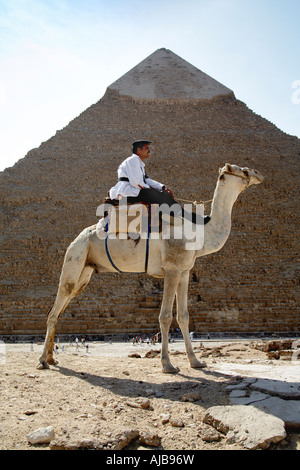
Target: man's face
(144,152)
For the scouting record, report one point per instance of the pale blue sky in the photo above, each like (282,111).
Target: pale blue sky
(57,57)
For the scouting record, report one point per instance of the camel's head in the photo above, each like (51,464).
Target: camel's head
(246,175)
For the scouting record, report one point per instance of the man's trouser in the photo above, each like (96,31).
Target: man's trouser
(154,196)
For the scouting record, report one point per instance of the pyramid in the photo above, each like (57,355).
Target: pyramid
(164,75)
(196,126)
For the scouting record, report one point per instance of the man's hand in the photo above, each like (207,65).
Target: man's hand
(168,191)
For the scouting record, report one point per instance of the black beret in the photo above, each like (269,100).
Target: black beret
(141,142)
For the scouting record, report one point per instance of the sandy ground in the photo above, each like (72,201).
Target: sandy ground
(98,393)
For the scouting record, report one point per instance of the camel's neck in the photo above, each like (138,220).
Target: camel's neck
(218,229)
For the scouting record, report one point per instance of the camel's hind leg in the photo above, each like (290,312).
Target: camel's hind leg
(74,277)
(60,304)
(183,319)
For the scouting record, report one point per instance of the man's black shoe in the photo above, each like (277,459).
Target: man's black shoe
(199,220)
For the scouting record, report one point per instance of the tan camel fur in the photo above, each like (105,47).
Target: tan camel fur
(168,259)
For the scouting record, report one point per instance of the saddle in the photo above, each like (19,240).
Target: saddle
(133,218)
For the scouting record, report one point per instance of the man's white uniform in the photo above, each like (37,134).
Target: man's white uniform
(133,168)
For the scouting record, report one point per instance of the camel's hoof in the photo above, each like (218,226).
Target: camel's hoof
(52,361)
(198,365)
(169,369)
(42,365)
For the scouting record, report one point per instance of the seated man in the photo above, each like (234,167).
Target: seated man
(136,186)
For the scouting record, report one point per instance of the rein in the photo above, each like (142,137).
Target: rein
(247,178)
(194,202)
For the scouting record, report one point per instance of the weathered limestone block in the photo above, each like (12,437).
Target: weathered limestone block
(246,425)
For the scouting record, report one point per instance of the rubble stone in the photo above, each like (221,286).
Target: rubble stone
(150,439)
(41,435)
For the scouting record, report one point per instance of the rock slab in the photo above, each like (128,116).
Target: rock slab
(276,397)
(280,388)
(246,425)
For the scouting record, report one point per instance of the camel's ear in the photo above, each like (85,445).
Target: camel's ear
(229,167)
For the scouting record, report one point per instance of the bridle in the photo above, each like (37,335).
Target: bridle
(244,177)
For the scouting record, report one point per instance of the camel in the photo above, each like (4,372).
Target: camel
(168,259)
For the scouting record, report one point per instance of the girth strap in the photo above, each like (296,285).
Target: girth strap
(147,247)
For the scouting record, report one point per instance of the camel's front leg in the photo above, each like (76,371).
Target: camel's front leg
(183,319)
(165,319)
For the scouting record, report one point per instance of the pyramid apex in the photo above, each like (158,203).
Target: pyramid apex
(165,75)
